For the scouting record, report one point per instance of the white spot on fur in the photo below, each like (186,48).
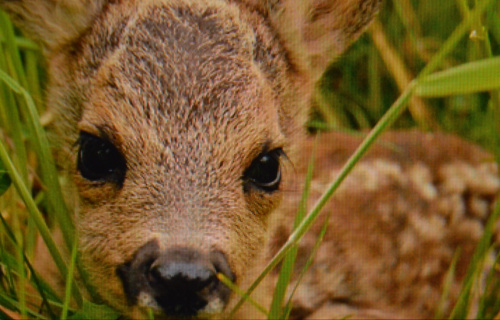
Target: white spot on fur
(146,300)
(213,306)
(479,207)
(459,177)
(421,178)
(372,176)
(428,228)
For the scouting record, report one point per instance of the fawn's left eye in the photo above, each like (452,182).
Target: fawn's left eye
(99,160)
(265,172)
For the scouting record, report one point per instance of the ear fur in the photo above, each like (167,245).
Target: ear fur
(315,32)
(53,23)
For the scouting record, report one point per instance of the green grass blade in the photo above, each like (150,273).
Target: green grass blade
(227,282)
(56,203)
(91,310)
(448,280)
(46,162)
(47,165)
(455,37)
(18,266)
(33,77)
(319,240)
(7,284)
(16,67)
(289,260)
(35,214)
(39,285)
(12,122)
(151,315)
(7,301)
(461,308)
(69,282)
(467,78)
(45,290)
(22,43)
(489,303)
(5,181)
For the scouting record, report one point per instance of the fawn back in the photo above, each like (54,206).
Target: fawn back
(411,204)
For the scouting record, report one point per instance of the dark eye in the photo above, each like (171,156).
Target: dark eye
(265,172)
(99,160)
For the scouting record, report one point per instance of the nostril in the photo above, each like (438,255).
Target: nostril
(133,272)
(221,265)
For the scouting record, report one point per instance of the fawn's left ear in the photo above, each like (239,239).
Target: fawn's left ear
(53,23)
(315,32)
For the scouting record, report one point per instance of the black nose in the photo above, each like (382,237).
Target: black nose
(181,281)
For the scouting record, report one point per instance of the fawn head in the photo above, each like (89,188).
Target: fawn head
(178,121)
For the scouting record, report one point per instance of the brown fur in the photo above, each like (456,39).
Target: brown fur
(395,224)
(190,92)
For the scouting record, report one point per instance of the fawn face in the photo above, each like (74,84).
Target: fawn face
(178,121)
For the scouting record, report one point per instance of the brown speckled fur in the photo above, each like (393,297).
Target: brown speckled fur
(190,91)
(395,224)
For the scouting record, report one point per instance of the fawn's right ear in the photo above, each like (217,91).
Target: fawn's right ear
(53,23)
(315,32)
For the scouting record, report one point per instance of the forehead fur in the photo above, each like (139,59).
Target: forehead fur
(170,69)
(182,76)
(184,83)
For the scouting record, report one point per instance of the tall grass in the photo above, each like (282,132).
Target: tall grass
(417,59)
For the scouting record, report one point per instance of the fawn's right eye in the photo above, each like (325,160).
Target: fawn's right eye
(265,172)
(99,160)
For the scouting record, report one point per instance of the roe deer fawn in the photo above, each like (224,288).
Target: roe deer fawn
(181,123)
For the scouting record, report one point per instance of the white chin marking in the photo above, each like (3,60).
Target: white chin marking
(214,306)
(146,300)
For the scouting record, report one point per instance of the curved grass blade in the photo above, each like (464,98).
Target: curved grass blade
(288,306)
(6,301)
(448,280)
(46,162)
(288,263)
(489,303)
(41,289)
(227,282)
(91,310)
(35,214)
(462,306)
(39,139)
(467,78)
(5,180)
(69,282)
